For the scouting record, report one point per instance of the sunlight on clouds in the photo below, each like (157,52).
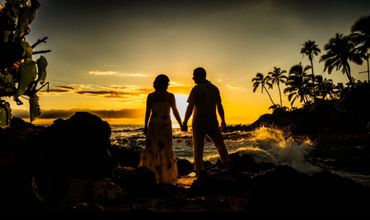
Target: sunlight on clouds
(81,86)
(179,88)
(103,73)
(128,88)
(177,84)
(234,87)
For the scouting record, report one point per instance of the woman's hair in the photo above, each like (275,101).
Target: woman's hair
(161,82)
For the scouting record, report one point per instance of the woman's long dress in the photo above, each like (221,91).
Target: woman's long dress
(158,155)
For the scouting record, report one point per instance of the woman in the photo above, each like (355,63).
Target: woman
(158,155)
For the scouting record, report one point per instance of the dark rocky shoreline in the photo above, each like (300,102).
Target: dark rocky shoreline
(72,167)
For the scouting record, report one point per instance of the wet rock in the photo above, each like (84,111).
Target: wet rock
(126,157)
(87,208)
(218,181)
(79,147)
(281,189)
(243,162)
(184,167)
(96,191)
(18,123)
(140,181)
(338,193)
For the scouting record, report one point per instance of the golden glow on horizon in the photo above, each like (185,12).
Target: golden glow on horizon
(241,107)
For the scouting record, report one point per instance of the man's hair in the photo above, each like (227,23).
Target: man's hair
(161,82)
(200,72)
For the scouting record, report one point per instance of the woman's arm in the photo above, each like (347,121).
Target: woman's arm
(175,111)
(147,113)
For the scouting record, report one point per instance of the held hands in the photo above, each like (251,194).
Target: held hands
(184,127)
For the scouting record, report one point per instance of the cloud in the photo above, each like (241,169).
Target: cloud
(55,113)
(55,91)
(103,73)
(129,89)
(123,113)
(130,93)
(59,89)
(176,87)
(115,73)
(109,91)
(234,87)
(106,94)
(66,87)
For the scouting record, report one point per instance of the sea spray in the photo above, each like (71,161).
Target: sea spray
(270,145)
(263,144)
(283,150)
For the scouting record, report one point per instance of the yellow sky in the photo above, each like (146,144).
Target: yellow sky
(104,59)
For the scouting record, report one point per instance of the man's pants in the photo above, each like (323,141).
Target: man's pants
(198,146)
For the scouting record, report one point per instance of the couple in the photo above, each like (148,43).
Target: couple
(158,155)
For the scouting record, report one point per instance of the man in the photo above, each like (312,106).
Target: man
(203,99)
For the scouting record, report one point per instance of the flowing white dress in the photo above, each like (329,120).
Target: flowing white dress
(158,155)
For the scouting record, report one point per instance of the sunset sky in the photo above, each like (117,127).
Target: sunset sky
(106,53)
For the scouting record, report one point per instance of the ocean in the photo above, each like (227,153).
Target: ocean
(263,144)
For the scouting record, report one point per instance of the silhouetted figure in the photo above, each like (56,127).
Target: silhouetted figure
(158,155)
(204,98)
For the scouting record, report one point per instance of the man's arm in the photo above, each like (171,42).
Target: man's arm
(189,109)
(221,112)
(188,113)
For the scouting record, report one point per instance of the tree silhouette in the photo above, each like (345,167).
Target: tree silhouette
(325,87)
(298,84)
(277,76)
(361,37)
(261,80)
(310,49)
(339,51)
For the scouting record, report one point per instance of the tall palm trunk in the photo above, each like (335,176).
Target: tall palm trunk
(281,101)
(313,75)
(269,95)
(348,73)
(313,80)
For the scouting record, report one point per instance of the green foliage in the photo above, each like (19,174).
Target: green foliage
(19,73)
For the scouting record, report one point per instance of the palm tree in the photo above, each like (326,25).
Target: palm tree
(361,37)
(325,87)
(298,84)
(277,76)
(310,49)
(339,51)
(261,80)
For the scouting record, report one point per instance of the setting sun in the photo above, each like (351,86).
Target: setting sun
(181,102)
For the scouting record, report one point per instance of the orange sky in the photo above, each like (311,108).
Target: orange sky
(104,59)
